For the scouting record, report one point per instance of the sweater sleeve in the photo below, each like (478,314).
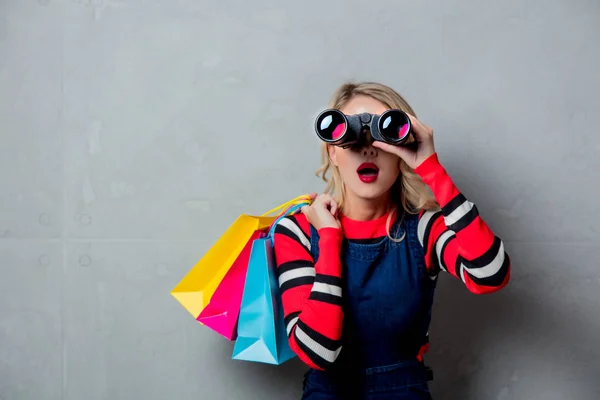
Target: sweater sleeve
(456,239)
(311,292)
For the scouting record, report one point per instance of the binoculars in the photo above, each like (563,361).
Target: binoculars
(392,126)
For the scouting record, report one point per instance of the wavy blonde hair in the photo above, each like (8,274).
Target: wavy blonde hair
(409,191)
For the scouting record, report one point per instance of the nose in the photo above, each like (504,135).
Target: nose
(366,144)
(369,151)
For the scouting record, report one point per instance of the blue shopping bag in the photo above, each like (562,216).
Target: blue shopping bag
(261,333)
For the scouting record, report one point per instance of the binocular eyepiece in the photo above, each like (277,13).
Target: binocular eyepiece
(393,127)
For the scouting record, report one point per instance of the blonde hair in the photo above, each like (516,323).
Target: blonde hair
(409,190)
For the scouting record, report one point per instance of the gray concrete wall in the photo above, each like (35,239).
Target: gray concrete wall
(132,133)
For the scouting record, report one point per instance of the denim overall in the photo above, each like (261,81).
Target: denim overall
(387,300)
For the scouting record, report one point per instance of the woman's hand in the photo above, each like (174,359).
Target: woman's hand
(423,135)
(322,213)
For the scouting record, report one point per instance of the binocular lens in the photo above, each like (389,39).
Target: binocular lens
(331,125)
(394,125)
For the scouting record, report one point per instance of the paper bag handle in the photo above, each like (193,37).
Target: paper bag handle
(293,209)
(304,200)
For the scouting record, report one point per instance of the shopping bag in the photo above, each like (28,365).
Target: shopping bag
(261,333)
(197,287)
(221,313)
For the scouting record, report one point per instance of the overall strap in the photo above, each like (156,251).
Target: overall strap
(417,251)
(407,224)
(314,243)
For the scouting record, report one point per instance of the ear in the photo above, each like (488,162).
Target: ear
(332,154)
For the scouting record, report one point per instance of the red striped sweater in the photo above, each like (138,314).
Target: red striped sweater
(456,240)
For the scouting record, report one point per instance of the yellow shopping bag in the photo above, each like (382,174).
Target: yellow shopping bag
(197,287)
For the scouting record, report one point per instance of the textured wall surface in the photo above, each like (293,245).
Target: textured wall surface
(132,133)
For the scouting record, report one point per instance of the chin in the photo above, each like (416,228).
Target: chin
(372,192)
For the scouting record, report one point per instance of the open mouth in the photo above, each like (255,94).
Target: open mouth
(368,172)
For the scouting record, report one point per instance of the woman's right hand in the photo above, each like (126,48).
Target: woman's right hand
(323,212)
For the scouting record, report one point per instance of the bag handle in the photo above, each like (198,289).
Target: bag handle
(304,200)
(292,210)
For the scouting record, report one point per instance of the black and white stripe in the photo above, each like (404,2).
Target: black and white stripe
(290,321)
(322,350)
(459,213)
(489,269)
(287,226)
(295,273)
(426,222)
(440,247)
(425,225)
(328,289)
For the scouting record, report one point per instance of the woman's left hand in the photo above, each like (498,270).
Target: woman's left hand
(423,134)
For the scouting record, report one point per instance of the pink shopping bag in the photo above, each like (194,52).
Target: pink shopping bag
(221,313)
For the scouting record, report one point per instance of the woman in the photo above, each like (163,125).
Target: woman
(358,267)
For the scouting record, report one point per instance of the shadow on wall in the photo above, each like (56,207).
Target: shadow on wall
(521,343)
(256,381)
(535,339)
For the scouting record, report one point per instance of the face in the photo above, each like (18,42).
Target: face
(368,172)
